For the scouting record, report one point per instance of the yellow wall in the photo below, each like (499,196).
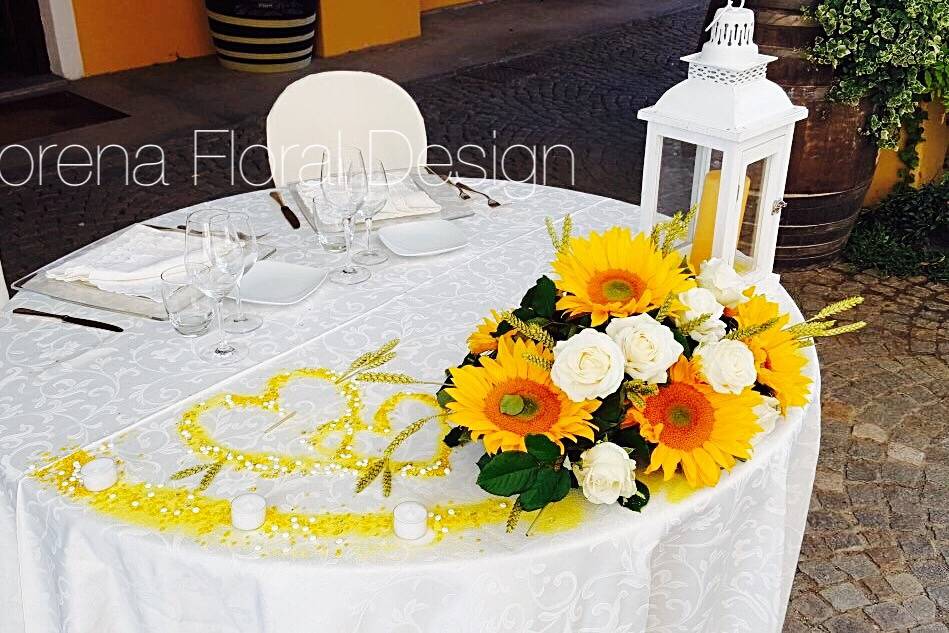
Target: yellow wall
(350,25)
(121,34)
(932,155)
(116,35)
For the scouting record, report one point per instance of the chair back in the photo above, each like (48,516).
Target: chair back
(331,109)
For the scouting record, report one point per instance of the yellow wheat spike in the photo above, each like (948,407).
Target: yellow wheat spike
(837,307)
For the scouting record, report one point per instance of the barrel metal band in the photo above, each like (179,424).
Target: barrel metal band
(281,24)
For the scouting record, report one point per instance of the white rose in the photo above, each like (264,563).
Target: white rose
(723,282)
(729,366)
(699,301)
(606,473)
(768,414)
(649,348)
(587,365)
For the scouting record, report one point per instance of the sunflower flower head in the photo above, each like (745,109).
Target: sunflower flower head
(616,274)
(510,397)
(482,339)
(695,427)
(778,357)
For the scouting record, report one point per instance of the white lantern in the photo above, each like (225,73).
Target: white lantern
(720,141)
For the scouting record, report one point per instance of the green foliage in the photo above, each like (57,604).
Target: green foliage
(883,50)
(906,234)
(536,476)
(639,500)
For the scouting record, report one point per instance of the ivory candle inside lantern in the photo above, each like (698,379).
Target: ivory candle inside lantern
(99,474)
(410,520)
(705,227)
(248,511)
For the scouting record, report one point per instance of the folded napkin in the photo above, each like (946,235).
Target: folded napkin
(131,264)
(406,198)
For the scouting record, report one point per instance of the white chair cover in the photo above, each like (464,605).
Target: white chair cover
(327,110)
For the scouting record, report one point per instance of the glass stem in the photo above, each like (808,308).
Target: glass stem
(348,232)
(223,347)
(369,234)
(239,316)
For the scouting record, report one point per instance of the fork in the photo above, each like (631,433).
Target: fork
(461,192)
(494,204)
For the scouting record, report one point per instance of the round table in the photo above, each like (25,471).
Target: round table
(719,559)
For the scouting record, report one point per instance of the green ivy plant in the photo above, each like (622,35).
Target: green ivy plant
(906,234)
(890,51)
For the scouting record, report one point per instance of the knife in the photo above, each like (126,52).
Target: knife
(288,213)
(65,318)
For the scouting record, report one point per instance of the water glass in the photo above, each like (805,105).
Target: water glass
(190,311)
(329,228)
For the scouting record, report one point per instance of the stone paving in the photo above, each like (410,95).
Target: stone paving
(876,551)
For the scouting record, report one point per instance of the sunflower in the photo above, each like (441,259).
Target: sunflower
(779,360)
(616,274)
(482,339)
(509,397)
(695,426)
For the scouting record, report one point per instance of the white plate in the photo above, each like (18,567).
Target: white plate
(279,283)
(425,237)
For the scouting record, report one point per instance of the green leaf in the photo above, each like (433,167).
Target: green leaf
(443,397)
(610,412)
(638,501)
(509,473)
(631,438)
(542,298)
(484,459)
(511,404)
(684,341)
(542,447)
(550,486)
(457,436)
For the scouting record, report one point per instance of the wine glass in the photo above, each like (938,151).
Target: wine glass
(377,195)
(344,184)
(214,258)
(241,322)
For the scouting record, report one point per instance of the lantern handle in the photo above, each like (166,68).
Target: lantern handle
(719,16)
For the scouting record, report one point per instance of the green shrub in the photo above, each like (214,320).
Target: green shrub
(906,234)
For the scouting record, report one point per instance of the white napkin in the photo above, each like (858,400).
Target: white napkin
(131,264)
(406,199)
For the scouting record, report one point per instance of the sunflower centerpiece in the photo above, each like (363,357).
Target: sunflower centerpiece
(626,361)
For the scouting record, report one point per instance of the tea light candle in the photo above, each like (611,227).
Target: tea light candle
(99,474)
(248,511)
(410,520)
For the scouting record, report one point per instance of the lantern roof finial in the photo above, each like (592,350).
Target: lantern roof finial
(731,44)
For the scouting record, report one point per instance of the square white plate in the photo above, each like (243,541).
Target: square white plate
(279,283)
(424,237)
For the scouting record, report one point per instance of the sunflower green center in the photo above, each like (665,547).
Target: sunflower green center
(615,286)
(522,406)
(680,416)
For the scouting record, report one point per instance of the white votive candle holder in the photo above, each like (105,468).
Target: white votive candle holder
(248,511)
(99,474)
(410,520)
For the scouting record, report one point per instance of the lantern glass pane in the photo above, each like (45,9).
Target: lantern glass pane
(682,175)
(750,215)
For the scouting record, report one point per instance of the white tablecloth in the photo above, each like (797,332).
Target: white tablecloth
(721,560)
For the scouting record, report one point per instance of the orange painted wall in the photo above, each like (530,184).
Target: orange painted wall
(120,34)
(350,25)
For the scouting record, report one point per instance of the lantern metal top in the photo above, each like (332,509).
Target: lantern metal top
(727,93)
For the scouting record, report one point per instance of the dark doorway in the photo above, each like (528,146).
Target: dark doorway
(22,41)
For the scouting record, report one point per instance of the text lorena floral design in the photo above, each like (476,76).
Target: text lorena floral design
(627,359)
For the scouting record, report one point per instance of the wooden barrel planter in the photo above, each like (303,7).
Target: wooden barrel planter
(832,159)
(263,36)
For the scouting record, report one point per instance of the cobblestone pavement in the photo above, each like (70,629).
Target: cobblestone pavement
(876,552)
